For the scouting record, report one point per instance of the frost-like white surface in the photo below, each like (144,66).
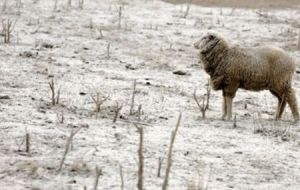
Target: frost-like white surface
(154,40)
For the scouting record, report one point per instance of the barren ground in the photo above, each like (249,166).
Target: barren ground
(154,40)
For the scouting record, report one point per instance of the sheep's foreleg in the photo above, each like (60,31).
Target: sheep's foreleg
(224,108)
(229,107)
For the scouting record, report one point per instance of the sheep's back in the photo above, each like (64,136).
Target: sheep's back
(260,68)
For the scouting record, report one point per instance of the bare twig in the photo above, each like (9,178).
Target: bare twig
(187,9)
(299,40)
(55,5)
(122,177)
(98,173)
(139,112)
(68,143)
(140,183)
(98,102)
(120,17)
(108,51)
(169,161)
(54,97)
(60,117)
(4,5)
(117,111)
(80,4)
(27,143)
(100,33)
(131,112)
(205,101)
(159,166)
(7,28)
(69,3)
(234,122)
(52,87)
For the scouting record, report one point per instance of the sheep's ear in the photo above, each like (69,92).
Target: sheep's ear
(196,44)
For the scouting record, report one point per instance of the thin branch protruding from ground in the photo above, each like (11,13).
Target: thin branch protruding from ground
(7,29)
(27,142)
(140,184)
(67,147)
(98,173)
(117,112)
(131,112)
(54,97)
(234,122)
(108,51)
(299,40)
(205,101)
(120,17)
(139,112)
(169,160)
(159,166)
(80,4)
(98,102)
(122,177)
(187,9)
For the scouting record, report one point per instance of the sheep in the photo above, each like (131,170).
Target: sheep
(231,67)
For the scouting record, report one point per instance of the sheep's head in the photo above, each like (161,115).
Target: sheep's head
(208,42)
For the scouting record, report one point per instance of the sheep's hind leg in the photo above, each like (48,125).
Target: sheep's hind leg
(292,101)
(224,108)
(280,106)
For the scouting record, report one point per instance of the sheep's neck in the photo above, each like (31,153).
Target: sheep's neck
(213,62)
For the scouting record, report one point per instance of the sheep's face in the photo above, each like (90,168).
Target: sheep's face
(207,43)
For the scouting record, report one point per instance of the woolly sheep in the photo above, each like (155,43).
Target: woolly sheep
(231,67)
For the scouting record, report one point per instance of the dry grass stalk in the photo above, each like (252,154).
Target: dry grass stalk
(27,142)
(140,183)
(100,33)
(7,28)
(187,9)
(4,5)
(159,167)
(205,101)
(170,161)
(69,3)
(55,5)
(54,97)
(139,112)
(98,102)
(80,4)
(131,111)
(122,177)
(120,17)
(117,111)
(299,40)
(234,122)
(108,51)
(18,4)
(60,117)
(98,173)
(68,144)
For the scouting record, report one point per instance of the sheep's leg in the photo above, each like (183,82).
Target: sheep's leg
(229,93)
(224,108)
(292,101)
(281,106)
(229,107)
